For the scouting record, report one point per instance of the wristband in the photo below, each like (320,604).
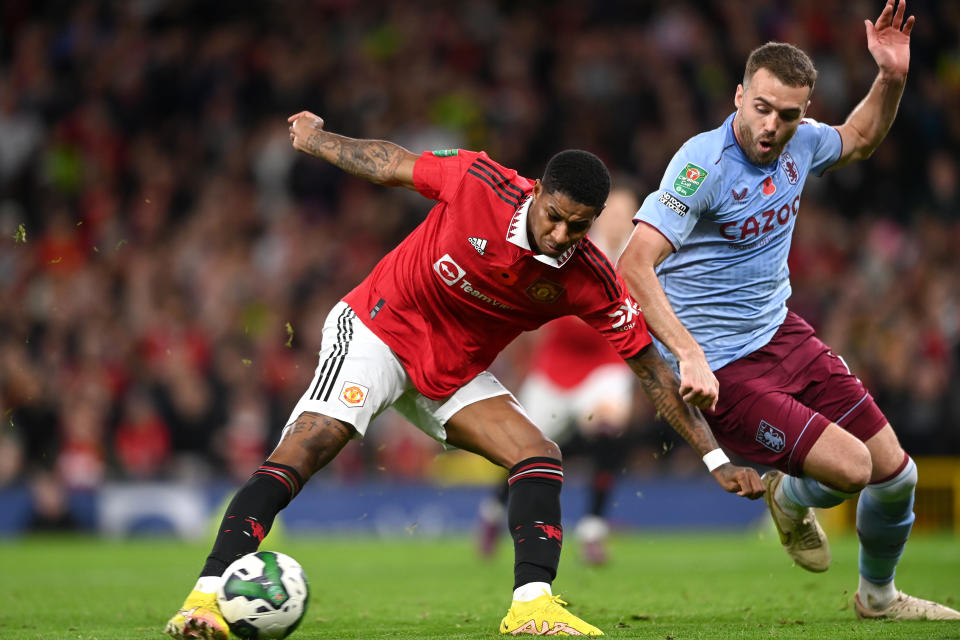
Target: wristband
(714,459)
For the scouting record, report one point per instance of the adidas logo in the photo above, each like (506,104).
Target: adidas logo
(480,244)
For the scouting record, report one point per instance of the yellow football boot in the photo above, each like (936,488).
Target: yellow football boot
(198,619)
(544,616)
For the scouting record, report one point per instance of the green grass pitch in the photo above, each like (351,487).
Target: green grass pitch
(658,586)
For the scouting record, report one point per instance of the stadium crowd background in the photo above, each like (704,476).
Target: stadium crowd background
(166,259)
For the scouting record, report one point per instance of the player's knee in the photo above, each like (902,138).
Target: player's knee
(552,450)
(855,473)
(546,449)
(543,448)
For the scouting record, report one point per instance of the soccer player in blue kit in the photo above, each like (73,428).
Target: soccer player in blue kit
(707,263)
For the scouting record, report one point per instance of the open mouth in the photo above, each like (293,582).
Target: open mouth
(765,145)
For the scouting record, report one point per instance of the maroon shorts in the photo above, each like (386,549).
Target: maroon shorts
(775,402)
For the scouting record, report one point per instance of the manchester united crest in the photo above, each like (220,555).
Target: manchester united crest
(544,291)
(353,394)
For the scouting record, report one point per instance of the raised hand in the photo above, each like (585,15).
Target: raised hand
(303,127)
(889,39)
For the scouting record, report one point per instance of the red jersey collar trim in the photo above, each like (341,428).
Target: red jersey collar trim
(517,234)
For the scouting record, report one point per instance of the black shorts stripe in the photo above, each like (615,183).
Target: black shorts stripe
(514,202)
(323,372)
(340,361)
(502,178)
(334,362)
(345,330)
(325,367)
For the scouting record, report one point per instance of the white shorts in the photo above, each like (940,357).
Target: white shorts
(358,377)
(604,396)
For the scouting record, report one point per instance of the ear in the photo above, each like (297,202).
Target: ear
(738,97)
(537,188)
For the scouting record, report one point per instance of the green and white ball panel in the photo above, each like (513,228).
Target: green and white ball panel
(263,595)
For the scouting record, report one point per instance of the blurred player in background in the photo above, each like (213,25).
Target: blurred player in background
(578,385)
(708,264)
(498,255)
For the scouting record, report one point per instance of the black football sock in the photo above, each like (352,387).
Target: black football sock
(533,515)
(608,454)
(250,514)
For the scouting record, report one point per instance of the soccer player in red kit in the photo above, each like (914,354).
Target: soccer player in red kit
(578,390)
(499,254)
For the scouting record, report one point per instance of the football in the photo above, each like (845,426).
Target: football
(263,595)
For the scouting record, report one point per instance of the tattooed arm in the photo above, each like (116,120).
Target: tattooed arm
(378,161)
(662,386)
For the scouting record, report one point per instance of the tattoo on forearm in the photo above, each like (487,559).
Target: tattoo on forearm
(661,385)
(374,160)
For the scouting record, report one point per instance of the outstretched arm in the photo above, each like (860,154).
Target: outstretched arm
(661,384)
(378,161)
(646,249)
(889,43)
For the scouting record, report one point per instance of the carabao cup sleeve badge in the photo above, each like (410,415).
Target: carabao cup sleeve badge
(689,180)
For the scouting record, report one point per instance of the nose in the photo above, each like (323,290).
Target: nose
(560,234)
(771,122)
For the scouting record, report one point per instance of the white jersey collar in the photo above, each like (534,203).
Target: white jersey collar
(517,234)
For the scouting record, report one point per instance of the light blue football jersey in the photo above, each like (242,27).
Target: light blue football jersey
(730,223)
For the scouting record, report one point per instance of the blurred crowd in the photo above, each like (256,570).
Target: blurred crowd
(167,260)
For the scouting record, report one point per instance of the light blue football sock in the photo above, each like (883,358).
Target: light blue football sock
(810,492)
(884,519)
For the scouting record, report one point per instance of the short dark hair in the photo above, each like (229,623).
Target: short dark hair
(788,63)
(580,175)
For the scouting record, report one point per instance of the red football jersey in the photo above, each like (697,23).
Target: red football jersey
(569,350)
(465,283)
